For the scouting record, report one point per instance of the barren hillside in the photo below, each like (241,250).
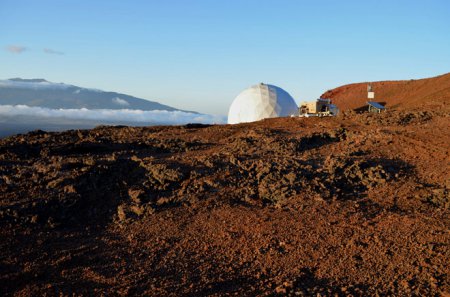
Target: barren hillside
(432,92)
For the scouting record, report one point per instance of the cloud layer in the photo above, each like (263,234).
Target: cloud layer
(16,49)
(112,115)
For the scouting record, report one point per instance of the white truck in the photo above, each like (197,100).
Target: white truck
(321,108)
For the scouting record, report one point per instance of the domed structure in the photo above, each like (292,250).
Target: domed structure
(259,102)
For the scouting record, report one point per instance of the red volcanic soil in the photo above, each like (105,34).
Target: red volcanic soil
(351,206)
(433,92)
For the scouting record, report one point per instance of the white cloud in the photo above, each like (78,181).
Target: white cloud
(52,52)
(16,49)
(113,115)
(119,101)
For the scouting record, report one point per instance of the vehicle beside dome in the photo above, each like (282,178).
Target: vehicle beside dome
(259,102)
(322,107)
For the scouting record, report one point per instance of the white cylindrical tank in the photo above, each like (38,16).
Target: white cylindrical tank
(259,102)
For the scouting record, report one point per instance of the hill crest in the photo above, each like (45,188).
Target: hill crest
(401,94)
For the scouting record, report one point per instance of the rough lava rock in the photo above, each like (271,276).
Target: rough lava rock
(351,206)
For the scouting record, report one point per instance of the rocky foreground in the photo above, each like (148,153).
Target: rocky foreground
(351,206)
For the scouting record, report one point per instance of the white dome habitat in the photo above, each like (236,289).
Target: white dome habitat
(260,102)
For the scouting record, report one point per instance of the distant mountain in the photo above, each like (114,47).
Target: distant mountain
(42,93)
(30,104)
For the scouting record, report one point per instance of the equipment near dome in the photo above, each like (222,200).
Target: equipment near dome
(375,107)
(370,92)
(322,107)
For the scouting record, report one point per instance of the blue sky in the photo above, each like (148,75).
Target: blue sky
(198,55)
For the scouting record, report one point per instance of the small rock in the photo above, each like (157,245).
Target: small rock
(139,210)
(121,212)
(162,201)
(69,189)
(34,219)
(280,290)
(288,284)
(134,194)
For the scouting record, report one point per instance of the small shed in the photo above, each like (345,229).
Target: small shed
(375,107)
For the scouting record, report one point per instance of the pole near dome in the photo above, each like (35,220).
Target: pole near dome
(370,92)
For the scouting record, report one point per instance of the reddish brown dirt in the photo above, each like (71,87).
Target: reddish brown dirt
(405,94)
(351,206)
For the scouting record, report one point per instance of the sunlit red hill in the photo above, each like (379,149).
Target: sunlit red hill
(400,94)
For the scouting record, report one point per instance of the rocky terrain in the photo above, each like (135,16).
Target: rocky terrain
(351,206)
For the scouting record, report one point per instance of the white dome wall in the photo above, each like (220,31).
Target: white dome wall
(260,102)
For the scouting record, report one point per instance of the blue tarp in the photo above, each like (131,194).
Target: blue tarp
(376,105)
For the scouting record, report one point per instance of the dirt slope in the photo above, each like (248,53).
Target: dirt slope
(433,92)
(351,206)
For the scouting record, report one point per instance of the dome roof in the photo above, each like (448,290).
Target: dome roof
(259,102)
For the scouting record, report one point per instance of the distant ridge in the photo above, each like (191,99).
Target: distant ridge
(42,93)
(399,94)
(37,80)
